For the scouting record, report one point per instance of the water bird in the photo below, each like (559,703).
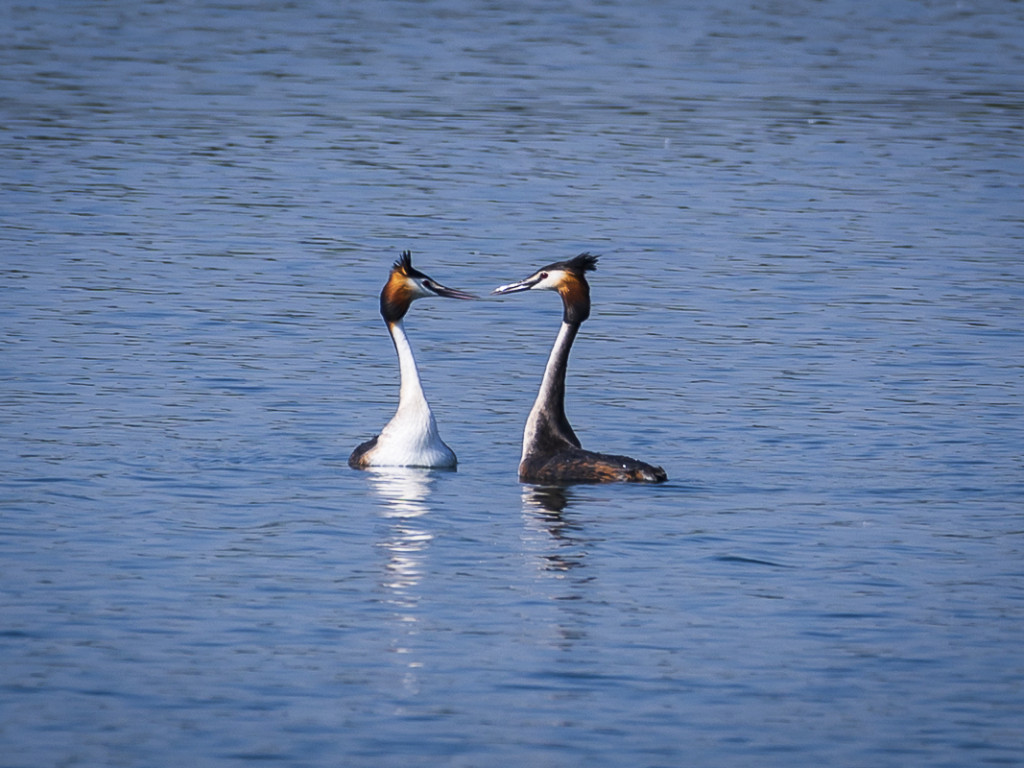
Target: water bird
(411,438)
(551,450)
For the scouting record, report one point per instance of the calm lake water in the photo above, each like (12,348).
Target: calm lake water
(809,309)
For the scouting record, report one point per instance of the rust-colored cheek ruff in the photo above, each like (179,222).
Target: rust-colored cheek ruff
(575,293)
(573,290)
(396,296)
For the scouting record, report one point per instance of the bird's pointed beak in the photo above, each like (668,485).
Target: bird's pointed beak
(522,285)
(450,293)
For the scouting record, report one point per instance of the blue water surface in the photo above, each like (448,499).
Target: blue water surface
(807,309)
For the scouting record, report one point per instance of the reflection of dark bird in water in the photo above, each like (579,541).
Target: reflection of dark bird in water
(551,450)
(411,438)
(550,498)
(548,503)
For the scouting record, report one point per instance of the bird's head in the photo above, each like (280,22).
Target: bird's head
(406,284)
(566,277)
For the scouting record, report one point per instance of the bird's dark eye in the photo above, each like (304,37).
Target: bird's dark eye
(543,275)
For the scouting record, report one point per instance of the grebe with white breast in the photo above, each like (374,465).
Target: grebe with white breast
(551,450)
(411,438)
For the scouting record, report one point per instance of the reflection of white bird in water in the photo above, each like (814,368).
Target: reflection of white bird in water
(551,450)
(410,439)
(404,490)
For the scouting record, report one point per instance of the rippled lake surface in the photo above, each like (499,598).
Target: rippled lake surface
(809,308)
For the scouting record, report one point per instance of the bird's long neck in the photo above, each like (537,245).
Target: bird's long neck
(547,427)
(410,395)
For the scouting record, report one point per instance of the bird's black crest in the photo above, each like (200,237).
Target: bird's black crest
(585,262)
(404,265)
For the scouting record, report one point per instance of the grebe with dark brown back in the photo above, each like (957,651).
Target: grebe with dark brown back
(551,450)
(411,438)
